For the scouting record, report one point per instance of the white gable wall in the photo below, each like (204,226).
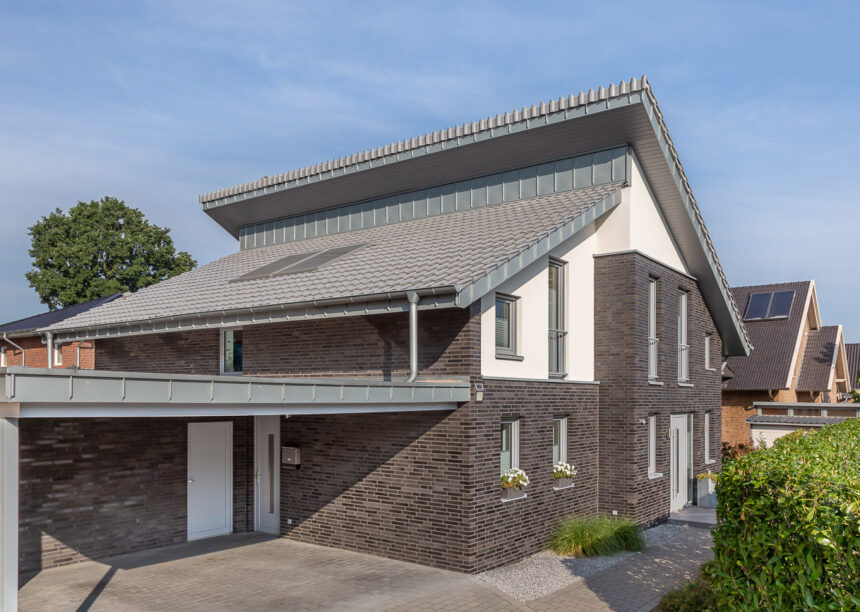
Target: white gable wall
(635,224)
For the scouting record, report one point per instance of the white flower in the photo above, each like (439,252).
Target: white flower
(563,470)
(514,478)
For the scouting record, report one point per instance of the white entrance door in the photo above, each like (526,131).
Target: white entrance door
(267,489)
(210,479)
(680,461)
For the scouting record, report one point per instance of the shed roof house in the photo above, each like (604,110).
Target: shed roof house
(797,373)
(396,329)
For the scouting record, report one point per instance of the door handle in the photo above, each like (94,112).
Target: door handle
(190,480)
(259,477)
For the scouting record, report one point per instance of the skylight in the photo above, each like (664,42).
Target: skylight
(301,262)
(770,305)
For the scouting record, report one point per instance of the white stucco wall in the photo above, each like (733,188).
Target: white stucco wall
(635,224)
(770,433)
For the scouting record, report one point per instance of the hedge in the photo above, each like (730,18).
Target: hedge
(788,535)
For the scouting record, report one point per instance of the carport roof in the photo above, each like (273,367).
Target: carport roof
(42,393)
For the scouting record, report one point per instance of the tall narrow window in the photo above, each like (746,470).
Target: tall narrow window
(58,355)
(683,347)
(3,362)
(652,329)
(231,351)
(506,326)
(708,351)
(652,445)
(557,332)
(559,440)
(510,445)
(707,437)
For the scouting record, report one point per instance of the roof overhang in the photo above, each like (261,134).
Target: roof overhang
(57,393)
(597,121)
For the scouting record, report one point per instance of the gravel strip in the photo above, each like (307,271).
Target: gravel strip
(546,572)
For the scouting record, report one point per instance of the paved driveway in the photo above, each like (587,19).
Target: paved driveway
(252,572)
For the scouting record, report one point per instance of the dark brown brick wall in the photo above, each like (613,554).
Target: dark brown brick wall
(93,488)
(195,352)
(424,487)
(627,398)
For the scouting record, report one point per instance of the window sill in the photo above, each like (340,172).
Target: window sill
(231,373)
(513,499)
(685,384)
(655,475)
(509,357)
(710,369)
(570,486)
(710,461)
(655,383)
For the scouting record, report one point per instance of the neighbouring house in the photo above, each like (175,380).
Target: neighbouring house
(396,329)
(21,344)
(797,374)
(853,353)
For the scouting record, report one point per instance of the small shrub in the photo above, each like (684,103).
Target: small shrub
(788,537)
(514,478)
(733,451)
(596,536)
(696,596)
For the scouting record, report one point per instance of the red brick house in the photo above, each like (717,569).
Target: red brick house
(397,328)
(797,376)
(21,344)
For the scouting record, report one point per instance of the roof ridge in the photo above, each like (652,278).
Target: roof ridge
(526,112)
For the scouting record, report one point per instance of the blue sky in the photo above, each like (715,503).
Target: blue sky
(157,102)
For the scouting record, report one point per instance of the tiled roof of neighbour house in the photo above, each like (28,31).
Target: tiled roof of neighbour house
(468,251)
(779,419)
(774,340)
(819,356)
(626,112)
(853,352)
(52,317)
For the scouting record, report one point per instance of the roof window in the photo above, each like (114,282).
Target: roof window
(771,305)
(302,262)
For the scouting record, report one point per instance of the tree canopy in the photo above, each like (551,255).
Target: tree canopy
(97,249)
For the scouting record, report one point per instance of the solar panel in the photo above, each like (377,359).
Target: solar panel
(780,305)
(318,260)
(271,268)
(757,306)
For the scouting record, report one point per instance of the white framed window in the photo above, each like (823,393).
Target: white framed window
(557,330)
(58,355)
(652,447)
(231,351)
(708,352)
(683,347)
(559,440)
(3,362)
(506,326)
(652,329)
(708,438)
(510,444)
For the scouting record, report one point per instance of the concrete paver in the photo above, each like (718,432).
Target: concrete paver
(256,572)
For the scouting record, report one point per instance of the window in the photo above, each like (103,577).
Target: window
(557,331)
(652,329)
(559,440)
(506,326)
(708,352)
(58,355)
(3,362)
(683,347)
(652,445)
(231,351)
(708,438)
(510,453)
(771,305)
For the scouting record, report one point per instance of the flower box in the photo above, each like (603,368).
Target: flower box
(563,483)
(512,493)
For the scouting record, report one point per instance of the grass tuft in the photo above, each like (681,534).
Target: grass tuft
(695,596)
(596,536)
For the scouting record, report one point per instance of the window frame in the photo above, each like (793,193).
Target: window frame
(708,347)
(653,340)
(221,342)
(562,439)
(707,439)
(57,356)
(683,337)
(652,447)
(561,331)
(514,424)
(513,326)
(4,359)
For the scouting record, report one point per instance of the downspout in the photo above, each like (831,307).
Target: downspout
(412,296)
(23,355)
(50,338)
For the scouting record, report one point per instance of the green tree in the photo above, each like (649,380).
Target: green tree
(97,249)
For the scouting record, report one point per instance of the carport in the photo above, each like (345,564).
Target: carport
(210,405)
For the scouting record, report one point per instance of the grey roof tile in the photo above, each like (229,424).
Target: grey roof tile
(768,365)
(778,419)
(450,250)
(53,317)
(818,358)
(853,352)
